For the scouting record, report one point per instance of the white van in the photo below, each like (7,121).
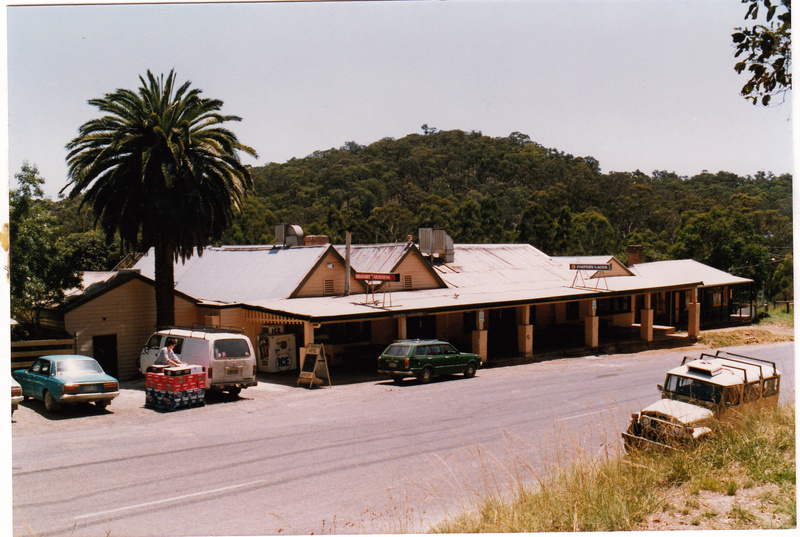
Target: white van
(227,355)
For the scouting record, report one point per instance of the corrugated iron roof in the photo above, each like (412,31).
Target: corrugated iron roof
(687,268)
(375,257)
(239,274)
(478,265)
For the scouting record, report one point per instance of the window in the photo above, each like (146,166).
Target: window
(397,351)
(154,342)
(435,349)
(693,389)
(327,288)
(231,348)
(752,391)
(448,349)
(78,366)
(770,386)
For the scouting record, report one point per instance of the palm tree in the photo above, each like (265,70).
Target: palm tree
(159,169)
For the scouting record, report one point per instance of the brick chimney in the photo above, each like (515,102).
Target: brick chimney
(635,254)
(316,240)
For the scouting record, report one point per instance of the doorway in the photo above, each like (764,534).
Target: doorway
(105,352)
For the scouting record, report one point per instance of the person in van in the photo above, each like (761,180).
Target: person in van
(167,356)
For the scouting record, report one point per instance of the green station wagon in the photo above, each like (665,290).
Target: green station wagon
(425,359)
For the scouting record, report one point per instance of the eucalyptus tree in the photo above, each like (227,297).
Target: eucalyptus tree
(161,170)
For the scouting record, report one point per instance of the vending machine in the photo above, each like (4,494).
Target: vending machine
(277,353)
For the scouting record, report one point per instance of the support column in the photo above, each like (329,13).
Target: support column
(308,338)
(694,315)
(402,332)
(524,331)
(646,316)
(592,327)
(480,336)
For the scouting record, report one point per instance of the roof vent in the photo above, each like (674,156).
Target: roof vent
(289,235)
(707,368)
(437,244)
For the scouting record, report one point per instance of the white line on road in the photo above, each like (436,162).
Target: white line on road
(580,415)
(169,500)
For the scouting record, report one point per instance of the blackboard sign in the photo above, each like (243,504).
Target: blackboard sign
(315,367)
(310,363)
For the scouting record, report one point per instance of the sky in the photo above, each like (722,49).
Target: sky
(637,84)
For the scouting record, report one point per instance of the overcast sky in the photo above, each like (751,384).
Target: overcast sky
(636,84)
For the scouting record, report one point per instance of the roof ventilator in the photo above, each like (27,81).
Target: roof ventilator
(287,235)
(437,245)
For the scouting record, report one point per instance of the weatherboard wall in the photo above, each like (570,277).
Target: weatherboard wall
(129,312)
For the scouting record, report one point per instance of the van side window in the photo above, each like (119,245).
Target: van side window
(231,348)
(154,342)
(178,346)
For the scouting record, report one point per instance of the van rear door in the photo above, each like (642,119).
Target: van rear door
(233,361)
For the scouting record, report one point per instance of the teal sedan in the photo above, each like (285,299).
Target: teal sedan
(67,379)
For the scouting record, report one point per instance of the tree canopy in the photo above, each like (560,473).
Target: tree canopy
(765,49)
(159,170)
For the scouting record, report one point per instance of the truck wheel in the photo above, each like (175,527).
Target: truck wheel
(50,403)
(469,372)
(426,375)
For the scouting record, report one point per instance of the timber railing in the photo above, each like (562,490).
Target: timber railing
(24,353)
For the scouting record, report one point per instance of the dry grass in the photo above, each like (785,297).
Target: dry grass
(743,477)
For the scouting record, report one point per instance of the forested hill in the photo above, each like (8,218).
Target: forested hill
(511,189)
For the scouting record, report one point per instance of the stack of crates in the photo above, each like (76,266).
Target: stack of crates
(173,388)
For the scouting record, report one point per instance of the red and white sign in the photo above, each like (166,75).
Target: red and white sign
(378,276)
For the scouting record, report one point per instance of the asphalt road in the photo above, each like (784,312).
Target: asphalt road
(364,457)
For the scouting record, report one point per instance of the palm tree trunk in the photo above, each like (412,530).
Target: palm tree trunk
(165,284)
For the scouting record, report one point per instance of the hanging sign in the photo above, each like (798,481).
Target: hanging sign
(378,276)
(599,266)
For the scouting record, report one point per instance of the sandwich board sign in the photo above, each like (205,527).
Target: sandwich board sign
(314,369)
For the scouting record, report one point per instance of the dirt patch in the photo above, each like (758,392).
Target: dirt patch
(748,335)
(750,508)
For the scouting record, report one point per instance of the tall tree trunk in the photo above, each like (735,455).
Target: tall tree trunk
(165,284)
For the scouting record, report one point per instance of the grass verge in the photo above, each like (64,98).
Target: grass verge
(742,477)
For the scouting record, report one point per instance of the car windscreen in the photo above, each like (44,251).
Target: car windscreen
(693,388)
(69,367)
(231,348)
(397,351)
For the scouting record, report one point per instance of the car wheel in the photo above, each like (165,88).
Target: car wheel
(101,404)
(469,372)
(236,390)
(50,403)
(426,375)
(398,379)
